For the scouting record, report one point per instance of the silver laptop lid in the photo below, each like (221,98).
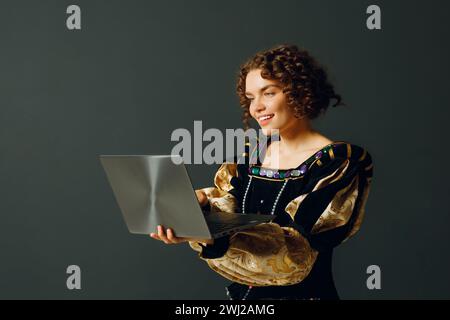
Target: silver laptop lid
(152,190)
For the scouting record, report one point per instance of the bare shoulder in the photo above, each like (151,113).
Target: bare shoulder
(320,141)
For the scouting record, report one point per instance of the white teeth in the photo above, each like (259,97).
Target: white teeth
(265,117)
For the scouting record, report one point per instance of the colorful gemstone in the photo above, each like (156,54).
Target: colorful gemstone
(282,175)
(269,173)
(276,175)
(318,154)
(287,174)
(295,173)
(262,172)
(303,169)
(255,170)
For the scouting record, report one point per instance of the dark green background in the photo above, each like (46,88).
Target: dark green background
(140,69)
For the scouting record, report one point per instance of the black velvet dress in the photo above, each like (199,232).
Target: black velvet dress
(323,199)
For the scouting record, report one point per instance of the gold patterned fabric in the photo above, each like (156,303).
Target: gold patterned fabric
(220,200)
(340,208)
(265,255)
(273,255)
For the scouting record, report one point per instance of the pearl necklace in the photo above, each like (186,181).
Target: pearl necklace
(276,199)
(271,212)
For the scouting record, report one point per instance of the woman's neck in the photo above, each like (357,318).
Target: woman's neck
(296,141)
(297,137)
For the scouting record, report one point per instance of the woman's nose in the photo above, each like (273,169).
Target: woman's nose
(258,106)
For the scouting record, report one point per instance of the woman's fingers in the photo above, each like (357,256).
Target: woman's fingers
(172,237)
(162,234)
(168,236)
(154,236)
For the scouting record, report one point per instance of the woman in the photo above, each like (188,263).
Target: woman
(316,187)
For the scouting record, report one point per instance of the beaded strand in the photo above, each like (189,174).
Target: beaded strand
(272,212)
(278,197)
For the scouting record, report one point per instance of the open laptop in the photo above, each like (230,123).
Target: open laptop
(152,190)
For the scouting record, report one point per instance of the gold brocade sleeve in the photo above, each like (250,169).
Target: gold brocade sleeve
(266,255)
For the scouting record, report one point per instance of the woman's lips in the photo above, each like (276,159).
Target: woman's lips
(263,120)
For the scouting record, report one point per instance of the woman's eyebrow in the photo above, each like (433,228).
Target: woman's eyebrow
(265,87)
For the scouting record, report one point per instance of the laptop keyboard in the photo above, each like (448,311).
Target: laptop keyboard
(229,222)
(218,227)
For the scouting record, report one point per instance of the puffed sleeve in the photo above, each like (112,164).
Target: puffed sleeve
(328,212)
(333,206)
(224,196)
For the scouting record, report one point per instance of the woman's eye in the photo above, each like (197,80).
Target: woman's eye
(269,94)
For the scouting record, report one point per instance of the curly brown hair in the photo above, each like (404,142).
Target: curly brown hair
(303,80)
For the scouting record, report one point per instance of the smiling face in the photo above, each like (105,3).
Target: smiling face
(268,103)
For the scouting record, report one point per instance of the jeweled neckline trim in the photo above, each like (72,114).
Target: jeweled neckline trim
(293,173)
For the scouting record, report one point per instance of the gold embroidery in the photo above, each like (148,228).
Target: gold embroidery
(361,212)
(339,210)
(219,200)
(293,205)
(223,176)
(195,245)
(331,153)
(363,156)
(266,254)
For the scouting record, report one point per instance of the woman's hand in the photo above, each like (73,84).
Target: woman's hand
(202,198)
(170,238)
